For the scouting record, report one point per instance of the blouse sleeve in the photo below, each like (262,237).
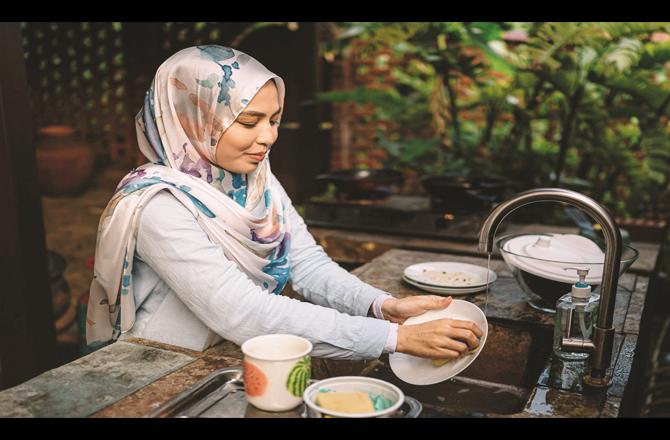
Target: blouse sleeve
(319,279)
(224,298)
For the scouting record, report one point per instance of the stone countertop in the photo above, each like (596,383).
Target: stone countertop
(129,378)
(144,401)
(132,378)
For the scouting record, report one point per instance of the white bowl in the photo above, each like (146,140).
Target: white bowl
(543,278)
(352,384)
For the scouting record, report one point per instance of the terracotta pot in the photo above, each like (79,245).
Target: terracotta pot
(64,164)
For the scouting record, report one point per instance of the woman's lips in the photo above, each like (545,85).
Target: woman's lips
(258,157)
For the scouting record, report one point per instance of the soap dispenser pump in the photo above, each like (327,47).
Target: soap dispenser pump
(576,313)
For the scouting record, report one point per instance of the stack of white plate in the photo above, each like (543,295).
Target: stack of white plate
(449,278)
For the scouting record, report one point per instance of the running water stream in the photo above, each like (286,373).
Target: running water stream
(488,271)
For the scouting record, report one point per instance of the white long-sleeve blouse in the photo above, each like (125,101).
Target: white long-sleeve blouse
(188,293)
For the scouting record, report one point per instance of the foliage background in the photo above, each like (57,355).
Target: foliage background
(579,105)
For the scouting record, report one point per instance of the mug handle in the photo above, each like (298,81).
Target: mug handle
(415,408)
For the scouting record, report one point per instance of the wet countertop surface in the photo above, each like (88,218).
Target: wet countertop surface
(132,378)
(558,390)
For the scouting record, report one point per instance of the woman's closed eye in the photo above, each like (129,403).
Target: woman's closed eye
(253,124)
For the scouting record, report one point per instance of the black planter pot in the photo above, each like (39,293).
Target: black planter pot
(363,184)
(60,289)
(56,264)
(460,192)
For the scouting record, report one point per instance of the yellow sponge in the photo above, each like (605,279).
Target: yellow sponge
(440,362)
(347,402)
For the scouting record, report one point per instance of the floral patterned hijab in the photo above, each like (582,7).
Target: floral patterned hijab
(195,96)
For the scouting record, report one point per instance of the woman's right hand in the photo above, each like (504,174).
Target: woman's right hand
(439,339)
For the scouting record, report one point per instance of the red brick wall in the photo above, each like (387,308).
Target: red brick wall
(354,125)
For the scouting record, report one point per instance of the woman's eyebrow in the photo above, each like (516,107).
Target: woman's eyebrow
(260,114)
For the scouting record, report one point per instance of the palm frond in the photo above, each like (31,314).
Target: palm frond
(657,145)
(635,85)
(617,30)
(547,41)
(654,54)
(625,55)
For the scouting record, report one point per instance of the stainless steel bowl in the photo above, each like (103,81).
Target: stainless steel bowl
(403,406)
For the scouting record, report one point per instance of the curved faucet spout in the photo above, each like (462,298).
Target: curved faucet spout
(603,331)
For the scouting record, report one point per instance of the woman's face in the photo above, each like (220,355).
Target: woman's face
(248,140)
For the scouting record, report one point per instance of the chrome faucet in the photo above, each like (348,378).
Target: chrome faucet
(601,344)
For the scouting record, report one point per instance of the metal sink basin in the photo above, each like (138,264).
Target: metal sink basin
(499,381)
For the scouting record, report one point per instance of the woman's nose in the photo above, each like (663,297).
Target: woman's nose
(267,136)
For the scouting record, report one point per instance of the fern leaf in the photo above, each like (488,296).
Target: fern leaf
(625,55)
(617,30)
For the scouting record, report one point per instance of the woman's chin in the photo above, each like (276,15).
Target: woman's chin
(243,168)
(250,168)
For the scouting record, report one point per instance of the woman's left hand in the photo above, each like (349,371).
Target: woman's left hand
(398,310)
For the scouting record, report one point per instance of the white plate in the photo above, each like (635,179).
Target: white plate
(445,290)
(420,371)
(421,273)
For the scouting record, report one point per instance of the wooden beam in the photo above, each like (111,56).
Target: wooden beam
(27,336)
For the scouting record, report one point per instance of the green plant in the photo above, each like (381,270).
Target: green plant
(583,105)
(429,134)
(609,106)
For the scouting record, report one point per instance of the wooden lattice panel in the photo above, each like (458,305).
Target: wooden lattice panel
(77,77)
(178,35)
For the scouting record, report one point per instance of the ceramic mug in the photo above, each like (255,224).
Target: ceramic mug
(277,370)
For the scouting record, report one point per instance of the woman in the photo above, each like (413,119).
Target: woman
(198,243)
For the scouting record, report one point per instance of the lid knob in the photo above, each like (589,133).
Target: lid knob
(543,242)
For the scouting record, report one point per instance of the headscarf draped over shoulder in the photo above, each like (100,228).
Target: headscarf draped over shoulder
(195,96)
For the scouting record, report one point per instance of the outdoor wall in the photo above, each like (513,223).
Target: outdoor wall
(77,76)
(353,134)
(93,77)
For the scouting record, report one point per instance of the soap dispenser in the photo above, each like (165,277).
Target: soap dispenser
(576,313)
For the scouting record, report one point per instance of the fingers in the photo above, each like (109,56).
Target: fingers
(448,354)
(457,346)
(466,333)
(436,302)
(439,339)
(468,325)
(466,336)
